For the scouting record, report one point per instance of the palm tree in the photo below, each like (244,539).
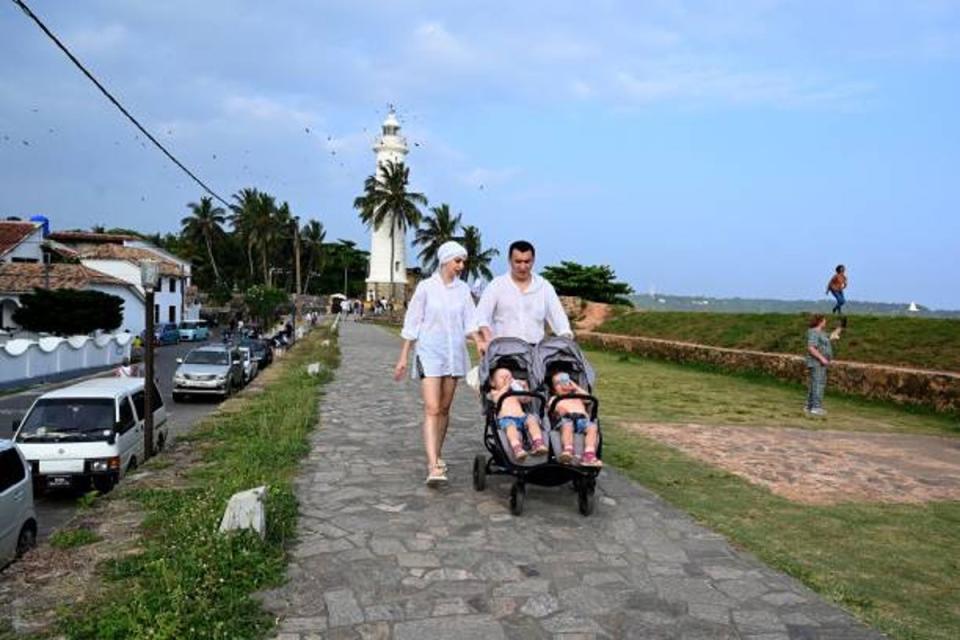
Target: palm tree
(242,217)
(436,230)
(204,224)
(266,230)
(478,259)
(387,200)
(312,236)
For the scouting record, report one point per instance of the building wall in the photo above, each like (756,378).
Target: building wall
(24,361)
(130,272)
(28,249)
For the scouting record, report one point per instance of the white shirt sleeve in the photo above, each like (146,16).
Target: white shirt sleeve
(488,302)
(470,315)
(413,319)
(556,316)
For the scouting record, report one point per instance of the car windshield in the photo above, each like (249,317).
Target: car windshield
(188,325)
(68,416)
(207,357)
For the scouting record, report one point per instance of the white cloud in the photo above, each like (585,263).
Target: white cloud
(268,110)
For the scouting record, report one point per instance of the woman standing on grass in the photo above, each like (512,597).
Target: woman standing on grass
(439,318)
(819,355)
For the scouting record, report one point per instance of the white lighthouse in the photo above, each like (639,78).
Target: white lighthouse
(390,147)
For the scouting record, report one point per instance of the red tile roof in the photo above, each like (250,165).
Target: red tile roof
(22,277)
(90,237)
(13,233)
(130,254)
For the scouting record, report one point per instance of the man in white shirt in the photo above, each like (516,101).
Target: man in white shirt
(517,304)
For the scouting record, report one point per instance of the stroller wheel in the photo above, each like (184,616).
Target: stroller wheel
(480,472)
(517,494)
(586,499)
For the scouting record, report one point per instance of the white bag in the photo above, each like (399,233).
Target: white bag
(473,378)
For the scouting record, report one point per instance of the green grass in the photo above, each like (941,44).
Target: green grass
(928,343)
(896,567)
(639,390)
(189,581)
(71,538)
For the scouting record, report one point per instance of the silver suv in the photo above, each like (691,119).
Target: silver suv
(211,370)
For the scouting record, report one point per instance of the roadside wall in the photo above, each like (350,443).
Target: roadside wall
(935,389)
(24,362)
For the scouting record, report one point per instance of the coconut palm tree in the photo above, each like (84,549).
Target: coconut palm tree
(385,199)
(242,217)
(266,230)
(478,259)
(312,237)
(433,232)
(204,225)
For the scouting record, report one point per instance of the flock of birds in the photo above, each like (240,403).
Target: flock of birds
(331,144)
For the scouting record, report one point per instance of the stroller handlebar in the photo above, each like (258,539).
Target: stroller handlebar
(528,394)
(594,407)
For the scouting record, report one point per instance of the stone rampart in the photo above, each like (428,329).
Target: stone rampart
(939,390)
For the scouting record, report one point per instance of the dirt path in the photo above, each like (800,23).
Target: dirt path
(825,467)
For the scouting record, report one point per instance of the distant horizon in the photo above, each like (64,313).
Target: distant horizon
(822,300)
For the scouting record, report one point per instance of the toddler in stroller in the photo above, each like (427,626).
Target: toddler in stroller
(572,417)
(512,418)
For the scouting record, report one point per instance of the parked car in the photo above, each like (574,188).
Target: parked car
(89,432)
(211,370)
(18,520)
(250,367)
(262,351)
(194,331)
(166,334)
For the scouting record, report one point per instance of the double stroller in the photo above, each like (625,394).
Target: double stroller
(536,365)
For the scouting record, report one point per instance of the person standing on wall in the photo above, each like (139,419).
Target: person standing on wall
(438,320)
(836,287)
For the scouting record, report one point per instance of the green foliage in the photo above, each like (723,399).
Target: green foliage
(189,581)
(434,231)
(590,282)
(478,258)
(69,311)
(264,303)
(929,343)
(88,500)
(71,538)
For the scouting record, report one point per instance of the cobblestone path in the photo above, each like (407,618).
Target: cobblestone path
(379,555)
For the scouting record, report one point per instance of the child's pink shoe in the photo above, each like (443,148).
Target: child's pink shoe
(590,459)
(538,448)
(566,456)
(519,453)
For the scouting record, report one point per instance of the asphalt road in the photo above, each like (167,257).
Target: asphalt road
(55,508)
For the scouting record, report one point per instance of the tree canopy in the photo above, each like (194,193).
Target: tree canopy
(596,283)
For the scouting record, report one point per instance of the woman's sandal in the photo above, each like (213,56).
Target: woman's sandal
(566,456)
(437,476)
(538,448)
(519,453)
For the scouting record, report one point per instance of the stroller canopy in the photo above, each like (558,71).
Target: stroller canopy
(556,353)
(513,353)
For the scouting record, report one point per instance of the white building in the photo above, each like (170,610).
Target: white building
(388,269)
(21,241)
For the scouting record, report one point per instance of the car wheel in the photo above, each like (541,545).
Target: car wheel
(27,539)
(104,484)
(178,397)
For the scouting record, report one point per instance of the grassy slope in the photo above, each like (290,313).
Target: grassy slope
(929,343)
(894,566)
(189,581)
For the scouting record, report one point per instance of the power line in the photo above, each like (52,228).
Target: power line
(115,102)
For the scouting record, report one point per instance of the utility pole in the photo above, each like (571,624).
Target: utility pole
(296,250)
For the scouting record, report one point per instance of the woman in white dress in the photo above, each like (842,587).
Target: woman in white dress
(439,318)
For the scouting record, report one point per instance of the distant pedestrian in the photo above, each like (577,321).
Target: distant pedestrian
(836,286)
(818,357)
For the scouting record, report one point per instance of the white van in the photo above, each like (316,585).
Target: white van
(18,521)
(89,431)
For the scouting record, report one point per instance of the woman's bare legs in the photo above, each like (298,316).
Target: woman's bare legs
(448,387)
(431,389)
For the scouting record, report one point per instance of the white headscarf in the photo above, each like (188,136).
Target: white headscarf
(450,250)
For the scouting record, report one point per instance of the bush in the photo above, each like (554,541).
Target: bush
(68,311)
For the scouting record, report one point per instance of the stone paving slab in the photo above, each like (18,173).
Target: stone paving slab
(380,555)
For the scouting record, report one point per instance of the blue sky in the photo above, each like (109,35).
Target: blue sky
(694,147)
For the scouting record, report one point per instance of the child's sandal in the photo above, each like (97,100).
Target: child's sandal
(566,456)
(590,459)
(538,448)
(519,453)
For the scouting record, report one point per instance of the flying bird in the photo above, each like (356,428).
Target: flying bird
(25,143)
(306,129)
